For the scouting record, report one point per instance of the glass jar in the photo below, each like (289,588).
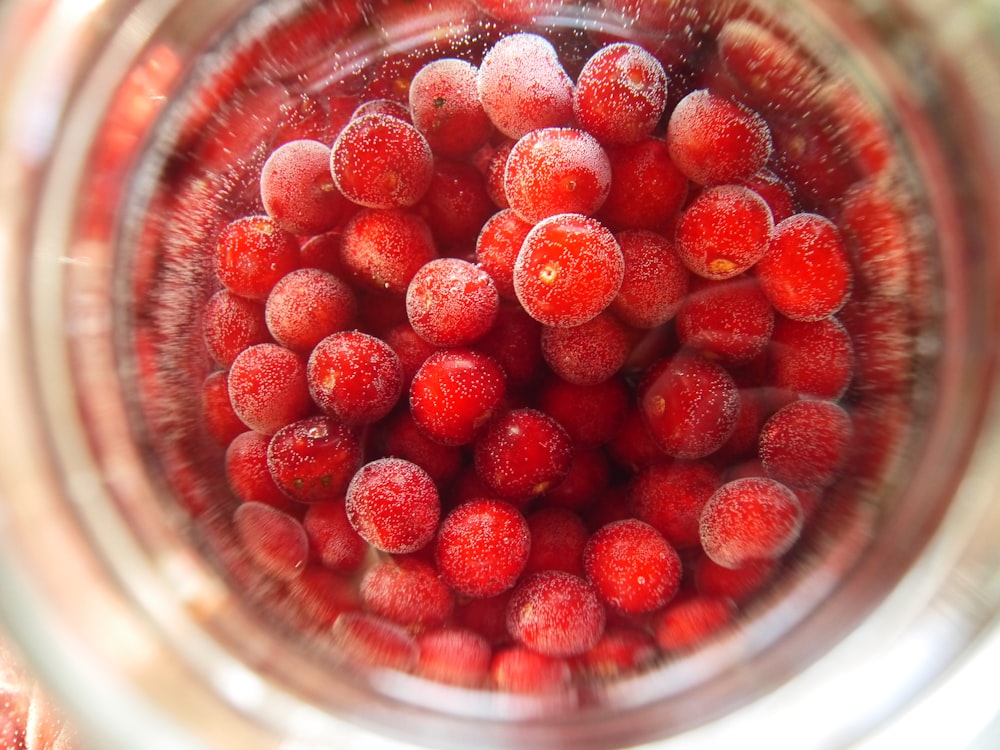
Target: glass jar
(114,580)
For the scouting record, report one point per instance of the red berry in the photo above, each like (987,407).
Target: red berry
(407,591)
(620,651)
(451,302)
(297,189)
(690,405)
(394,505)
(368,640)
(655,282)
(556,614)
(558,537)
(482,548)
(568,270)
(268,389)
(806,272)
(522,85)
(312,460)
(523,453)
(380,161)
(517,669)
(514,343)
(274,540)
(590,414)
(403,438)
(322,596)
(775,193)
(736,584)
(454,394)
(454,656)
(876,225)
(389,107)
(724,232)
(730,321)
(685,624)
(589,353)
(497,247)
(620,93)
(584,485)
(773,72)
(247,472)
(253,253)
(647,189)
(381,250)
(632,567)
(444,101)
(456,205)
(715,141)
(750,519)
(805,443)
(670,496)
(232,324)
(221,421)
(810,358)
(306,306)
(332,539)
(355,377)
(411,349)
(556,171)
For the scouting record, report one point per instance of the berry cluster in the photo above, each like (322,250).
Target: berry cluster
(524,377)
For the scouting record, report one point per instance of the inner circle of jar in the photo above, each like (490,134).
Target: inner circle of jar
(841,147)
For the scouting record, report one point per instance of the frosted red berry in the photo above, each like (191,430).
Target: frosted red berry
(444,102)
(268,388)
(455,393)
(647,189)
(313,459)
(620,93)
(724,232)
(380,161)
(456,205)
(805,443)
(558,536)
(252,254)
(381,250)
(394,505)
(589,353)
(517,669)
(332,539)
(514,343)
(670,496)
(407,591)
(806,272)
(730,321)
(274,540)
(523,86)
(556,614)
(811,358)
(248,475)
(523,453)
(231,324)
(298,191)
(451,302)
(632,567)
(591,414)
(497,247)
(367,640)
(556,171)
(355,377)
(622,650)
(454,656)
(655,282)
(690,405)
(221,421)
(687,623)
(306,306)
(402,437)
(715,141)
(568,270)
(482,547)
(750,519)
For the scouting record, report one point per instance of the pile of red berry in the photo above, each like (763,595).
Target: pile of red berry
(523,378)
